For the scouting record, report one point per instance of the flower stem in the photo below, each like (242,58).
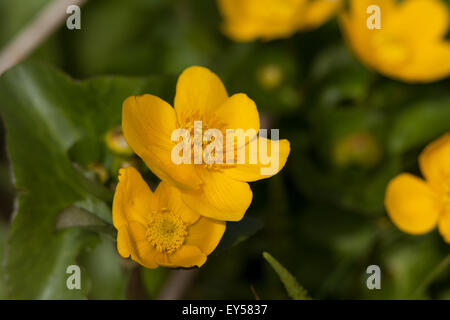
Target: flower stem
(432,276)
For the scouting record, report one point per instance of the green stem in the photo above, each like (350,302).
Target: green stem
(432,276)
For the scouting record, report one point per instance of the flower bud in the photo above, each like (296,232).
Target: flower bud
(270,76)
(116,142)
(360,149)
(100,172)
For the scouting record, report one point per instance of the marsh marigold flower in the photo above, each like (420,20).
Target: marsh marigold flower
(410,44)
(218,191)
(158,229)
(417,205)
(246,20)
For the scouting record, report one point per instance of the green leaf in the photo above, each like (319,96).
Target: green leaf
(339,76)
(53,122)
(77,217)
(293,288)
(103,267)
(18,15)
(405,266)
(419,124)
(94,206)
(3,238)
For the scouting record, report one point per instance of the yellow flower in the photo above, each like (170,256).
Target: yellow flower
(157,229)
(415,205)
(246,20)
(218,191)
(410,44)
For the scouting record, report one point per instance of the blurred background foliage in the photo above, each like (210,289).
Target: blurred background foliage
(351,131)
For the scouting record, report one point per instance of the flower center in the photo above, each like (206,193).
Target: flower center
(166,230)
(198,127)
(390,49)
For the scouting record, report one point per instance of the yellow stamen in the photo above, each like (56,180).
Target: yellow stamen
(166,231)
(196,139)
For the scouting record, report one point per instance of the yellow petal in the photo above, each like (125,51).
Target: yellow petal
(170,197)
(199,93)
(230,8)
(236,23)
(257,171)
(358,10)
(420,27)
(163,259)
(318,12)
(437,62)
(205,234)
(148,123)
(250,19)
(246,20)
(409,46)
(238,112)
(423,20)
(411,204)
(187,256)
(354,29)
(241,31)
(220,197)
(133,199)
(444,226)
(435,161)
(431,63)
(142,251)
(123,242)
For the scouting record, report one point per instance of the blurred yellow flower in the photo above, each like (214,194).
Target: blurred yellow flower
(218,191)
(116,142)
(410,44)
(157,229)
(247,20)
(415,205)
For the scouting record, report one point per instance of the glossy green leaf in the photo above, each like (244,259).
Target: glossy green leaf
(76,217)
(53,122)
(104,269)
